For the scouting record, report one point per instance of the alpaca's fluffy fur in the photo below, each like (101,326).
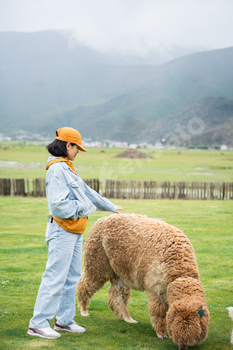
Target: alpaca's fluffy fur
(136,252)
(230,309)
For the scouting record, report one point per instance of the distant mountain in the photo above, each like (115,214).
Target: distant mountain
(45,84)
(208,121)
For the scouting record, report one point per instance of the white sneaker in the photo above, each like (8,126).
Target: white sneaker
(44,333)
(72,328)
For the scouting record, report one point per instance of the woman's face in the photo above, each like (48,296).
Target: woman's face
(72,151)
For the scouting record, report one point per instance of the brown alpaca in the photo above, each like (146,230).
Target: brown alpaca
(136,252)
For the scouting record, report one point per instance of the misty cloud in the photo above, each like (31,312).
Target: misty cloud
(129,26)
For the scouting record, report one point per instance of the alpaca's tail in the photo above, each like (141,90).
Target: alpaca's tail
(230,309)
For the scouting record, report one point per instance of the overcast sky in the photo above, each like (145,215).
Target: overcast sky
(135,26)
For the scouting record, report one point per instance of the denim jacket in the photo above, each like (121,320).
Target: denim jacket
(68,196)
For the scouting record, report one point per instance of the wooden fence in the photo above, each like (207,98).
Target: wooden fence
(129,189)
(32,188)
(168,190)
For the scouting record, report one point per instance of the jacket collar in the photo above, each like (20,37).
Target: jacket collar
(64,163)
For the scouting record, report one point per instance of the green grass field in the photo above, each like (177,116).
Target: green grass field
(28,161)
(23,253)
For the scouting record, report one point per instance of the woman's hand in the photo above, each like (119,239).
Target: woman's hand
(118,208)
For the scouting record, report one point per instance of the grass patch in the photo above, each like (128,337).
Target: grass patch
(23,255)
(175,165)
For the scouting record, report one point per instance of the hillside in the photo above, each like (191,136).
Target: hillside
(215,116)
(45,84)
(213,126)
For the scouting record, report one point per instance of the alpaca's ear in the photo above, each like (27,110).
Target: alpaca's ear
(201,311)
(176,311)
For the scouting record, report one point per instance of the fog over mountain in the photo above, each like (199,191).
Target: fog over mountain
(19,47)
(48,81)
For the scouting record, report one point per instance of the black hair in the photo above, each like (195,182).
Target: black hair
(58,148)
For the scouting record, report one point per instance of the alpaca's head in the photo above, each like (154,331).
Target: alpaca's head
(187,316)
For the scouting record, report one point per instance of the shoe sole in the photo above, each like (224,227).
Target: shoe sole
(69,330)
(42,336)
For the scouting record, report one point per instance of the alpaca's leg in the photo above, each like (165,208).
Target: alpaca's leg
(118,296)
(85,290)
(97,271)
(157,309)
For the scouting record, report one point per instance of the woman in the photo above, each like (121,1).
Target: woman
(70,202)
